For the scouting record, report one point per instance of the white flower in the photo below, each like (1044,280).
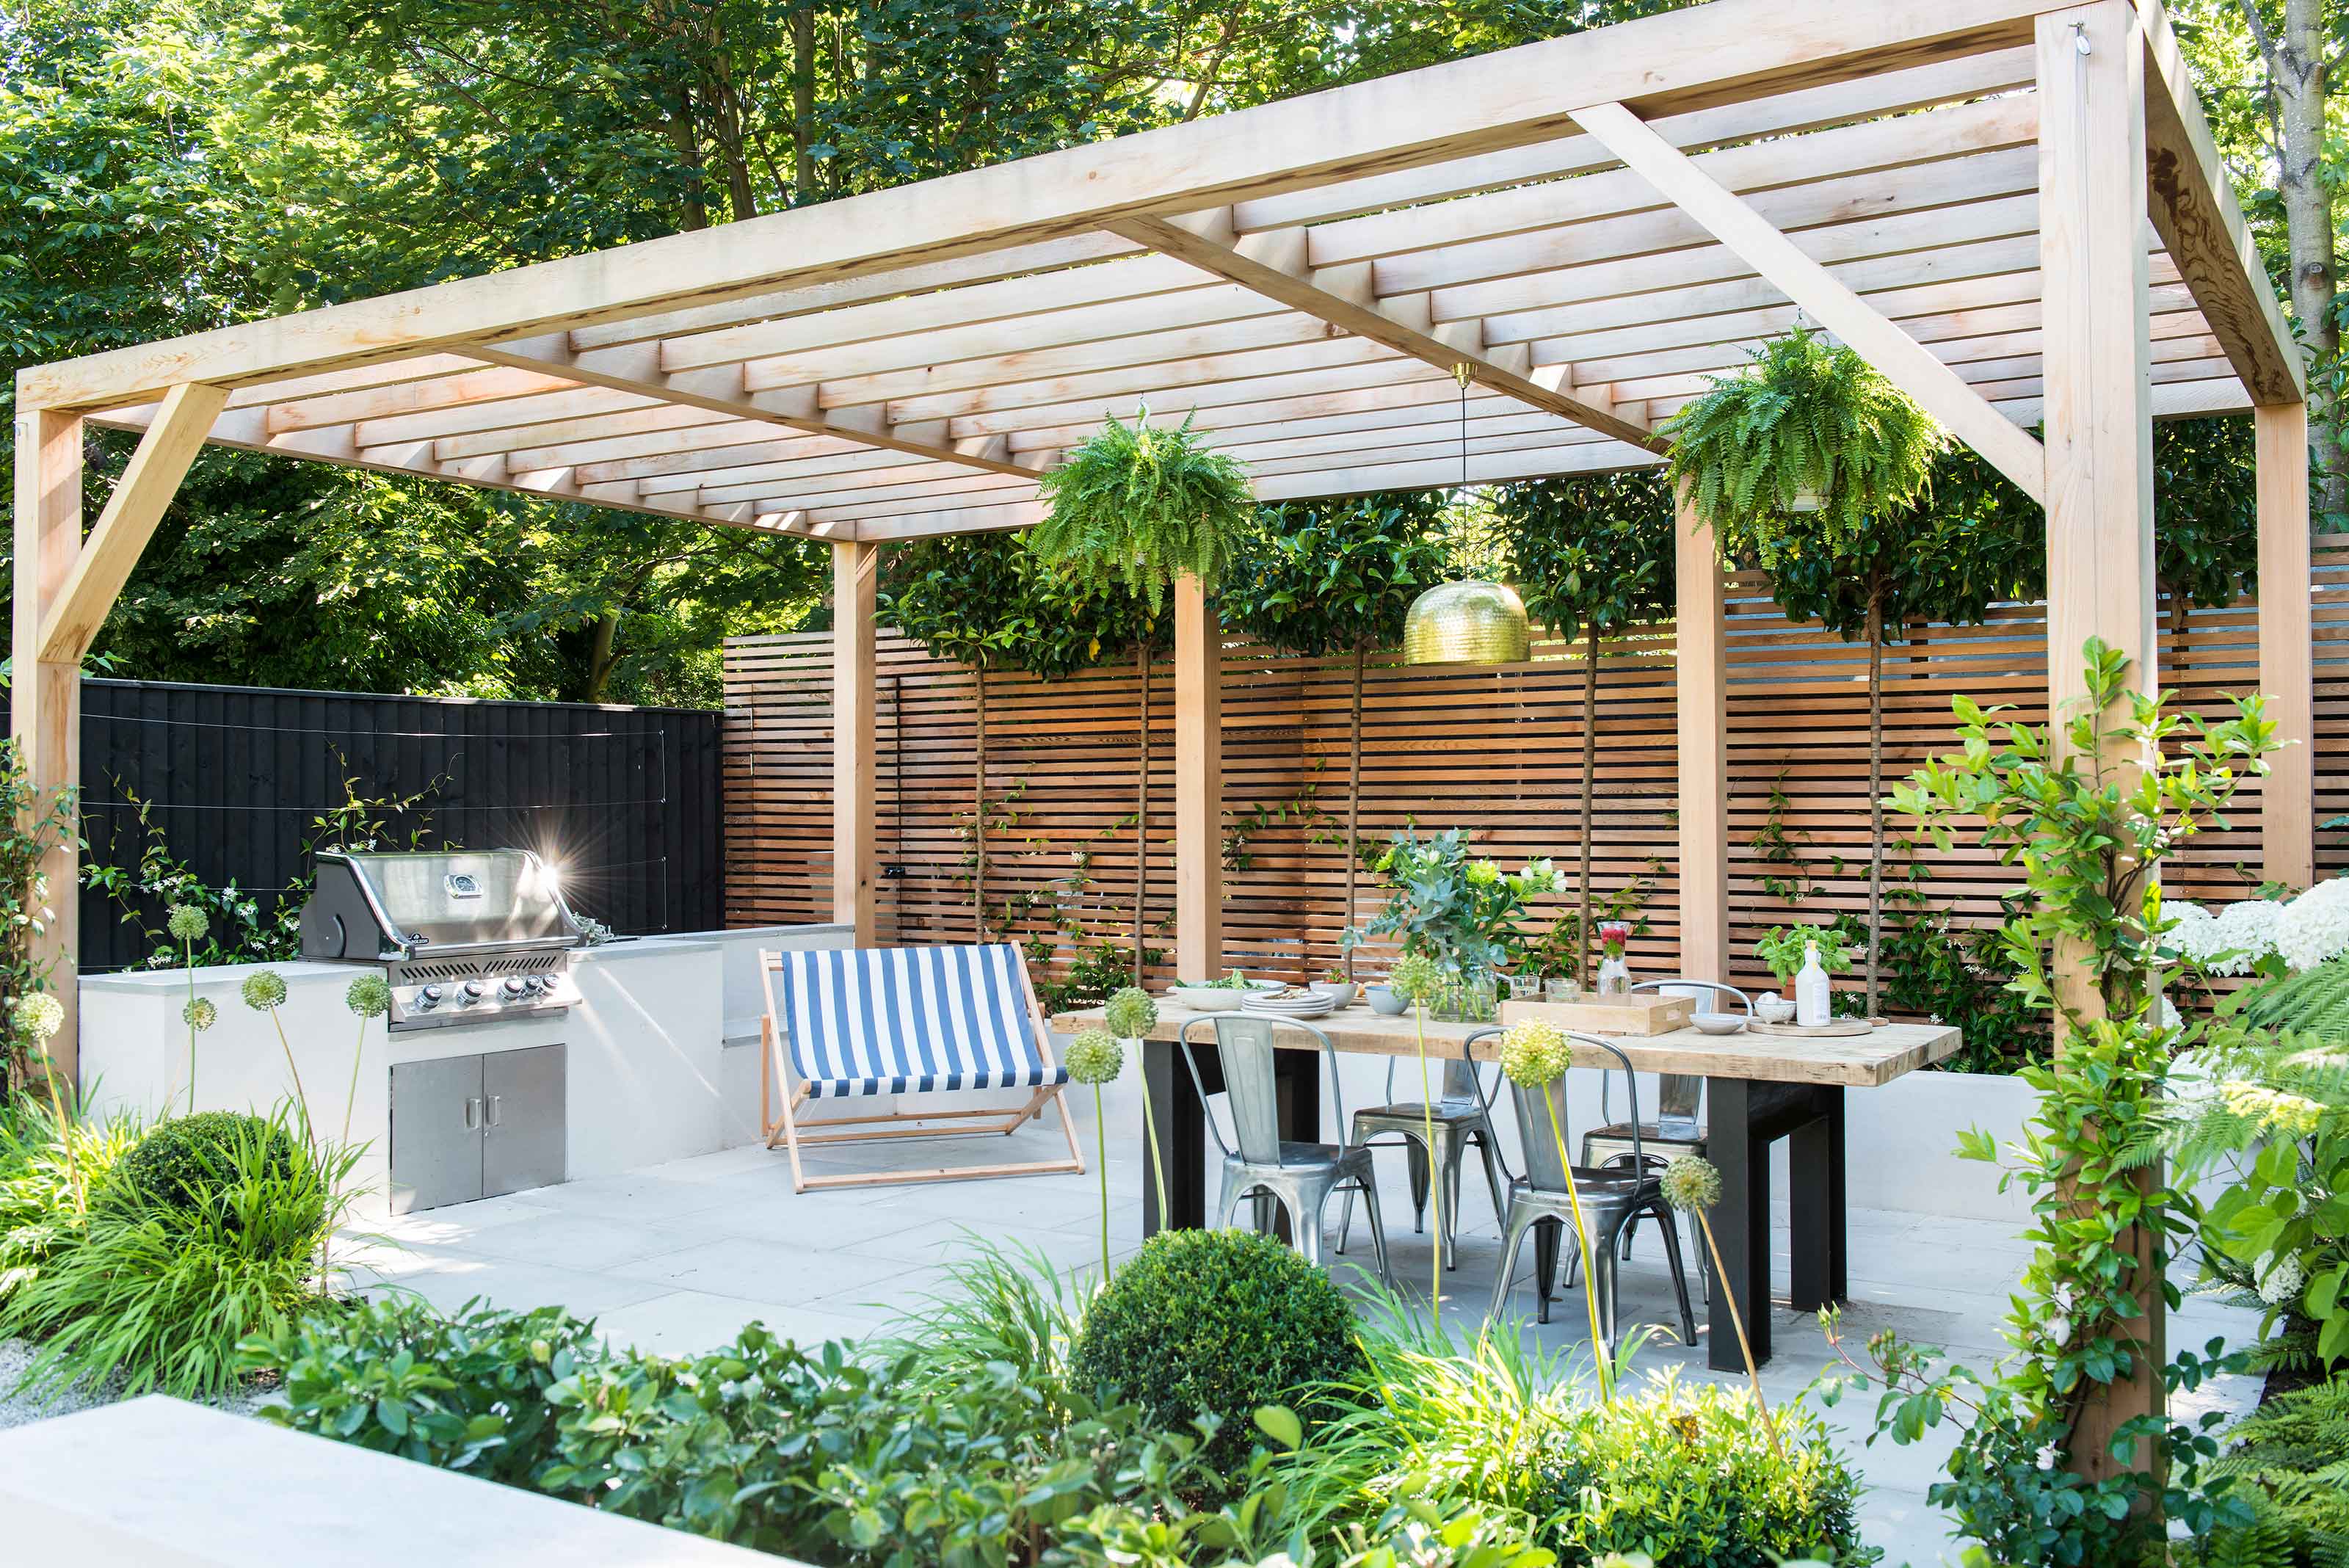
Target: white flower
(2281,1279)
(2169,1019)
(2315,926)
(2244,931)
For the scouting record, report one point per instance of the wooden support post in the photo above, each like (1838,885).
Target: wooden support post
(2099,441)
(1702,684)
(44,696)
(1198,785)
(2288,796)
(856,741)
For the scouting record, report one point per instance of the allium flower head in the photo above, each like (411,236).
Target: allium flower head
(1692,1182)
(187,923)
(1095,1057)
(199,1013)
(262,990)
(1131,1012)
(39,1015)
(1416,976)
(1534,1053)
(369,996)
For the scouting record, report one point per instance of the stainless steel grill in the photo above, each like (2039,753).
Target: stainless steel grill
(464,937)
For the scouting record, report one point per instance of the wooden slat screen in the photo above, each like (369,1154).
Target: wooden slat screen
(1495,751)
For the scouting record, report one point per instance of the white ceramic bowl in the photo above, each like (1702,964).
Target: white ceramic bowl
(1341,992)
(1721,1023)
(1216,998)
(1773,1010)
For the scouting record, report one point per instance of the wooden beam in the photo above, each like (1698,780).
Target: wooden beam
(1274,266)
(44,695)
(1198,785)
(1726,52)
(2100,492)
(2287,674)
(855,742)
(2192,204)
(1939,391)
(1701,687)
(82,602)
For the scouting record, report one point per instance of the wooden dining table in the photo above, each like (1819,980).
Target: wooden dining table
(1759,1088)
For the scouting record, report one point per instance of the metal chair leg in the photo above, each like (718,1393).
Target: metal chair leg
(1306,1229)
(1491,1171)
(1345,1220)
(1514,1226)
(1414,1154)
(1546,1238)
(1378,1231)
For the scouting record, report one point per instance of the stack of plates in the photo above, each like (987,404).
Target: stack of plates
(1290,1001)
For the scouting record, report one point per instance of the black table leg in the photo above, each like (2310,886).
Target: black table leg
(1817,1211)
(1183,1129)
(1741,1222)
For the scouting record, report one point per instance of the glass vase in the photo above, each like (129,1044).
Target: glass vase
(1471,999)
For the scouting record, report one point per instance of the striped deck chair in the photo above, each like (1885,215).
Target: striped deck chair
(898,1021)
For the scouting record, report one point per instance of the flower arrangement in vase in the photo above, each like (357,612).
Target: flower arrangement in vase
(1459,912)
(1614,974)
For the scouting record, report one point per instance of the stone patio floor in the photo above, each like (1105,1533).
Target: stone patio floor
(679,1257)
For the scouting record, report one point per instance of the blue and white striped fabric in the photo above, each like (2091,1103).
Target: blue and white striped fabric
(895,1021)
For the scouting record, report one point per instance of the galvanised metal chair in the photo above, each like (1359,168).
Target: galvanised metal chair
(1298,1176)
(1459,1116)
(1678,1129)
(1612,1198)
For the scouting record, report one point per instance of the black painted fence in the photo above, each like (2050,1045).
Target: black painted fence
(624,799)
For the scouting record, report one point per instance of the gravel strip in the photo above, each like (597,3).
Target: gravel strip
(20,1407)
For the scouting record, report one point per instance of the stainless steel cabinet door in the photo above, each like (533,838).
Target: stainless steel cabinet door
(527,1119)
(436,1133)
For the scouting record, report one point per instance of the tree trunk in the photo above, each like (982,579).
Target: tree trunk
(978,804)
(803,103)
(689,157)
(1590,802)
(2296,67)
(1354,798)
(602,637)
(1874,781)
(1142,817)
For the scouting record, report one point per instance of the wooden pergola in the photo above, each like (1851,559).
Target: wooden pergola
(2014,208)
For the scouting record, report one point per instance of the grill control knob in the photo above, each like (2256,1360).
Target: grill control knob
(513,986)
(474,991)
(427,999)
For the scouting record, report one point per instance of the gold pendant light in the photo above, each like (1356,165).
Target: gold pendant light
(1470,622)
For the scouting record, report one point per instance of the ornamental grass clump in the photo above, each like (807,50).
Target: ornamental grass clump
(1132,1015)
(1095,1058)
(1535,1055)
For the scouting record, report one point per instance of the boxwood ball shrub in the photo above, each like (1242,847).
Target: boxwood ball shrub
(178,1159)
(1217,1322)
(1687,1476)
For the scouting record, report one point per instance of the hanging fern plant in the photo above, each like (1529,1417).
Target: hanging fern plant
(1794,455)
(1143,506)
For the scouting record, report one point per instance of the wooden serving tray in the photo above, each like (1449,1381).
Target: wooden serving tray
(1839,1028)
(1644,1013)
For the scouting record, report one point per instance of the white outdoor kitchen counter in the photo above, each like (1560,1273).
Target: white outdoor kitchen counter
(648,1073)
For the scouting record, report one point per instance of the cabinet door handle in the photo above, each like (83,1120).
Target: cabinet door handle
(497,1110)
(473,1114)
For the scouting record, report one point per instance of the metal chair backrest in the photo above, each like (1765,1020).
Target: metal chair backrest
(1680,1096)
(1463,1084)
(1538,1142)
(1244,1044)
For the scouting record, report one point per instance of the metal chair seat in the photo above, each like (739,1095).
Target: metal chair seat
(1460,1119)
(1298,1176)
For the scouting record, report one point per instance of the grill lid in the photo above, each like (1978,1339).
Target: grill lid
(426,903)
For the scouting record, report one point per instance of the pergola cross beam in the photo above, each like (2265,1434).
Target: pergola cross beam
(1907,364)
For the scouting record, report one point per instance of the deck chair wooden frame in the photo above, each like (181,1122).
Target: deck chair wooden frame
(775,1068)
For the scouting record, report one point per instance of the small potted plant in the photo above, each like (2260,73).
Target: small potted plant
(1781,950)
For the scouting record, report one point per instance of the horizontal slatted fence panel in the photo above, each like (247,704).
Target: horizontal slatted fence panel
(1497,750)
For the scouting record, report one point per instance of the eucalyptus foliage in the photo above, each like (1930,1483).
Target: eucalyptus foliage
(1142,505)
(1805,416)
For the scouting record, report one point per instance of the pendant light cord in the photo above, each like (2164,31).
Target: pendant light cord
(1459,373)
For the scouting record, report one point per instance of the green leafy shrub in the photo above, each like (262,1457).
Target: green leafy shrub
(178,1162)
(2289,1461)
(1690,1477)
(45,1179)
(161,1293)
(1216,1323)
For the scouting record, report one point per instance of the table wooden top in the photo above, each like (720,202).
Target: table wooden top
(1851,1061)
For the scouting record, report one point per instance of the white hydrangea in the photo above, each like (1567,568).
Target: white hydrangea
(2314,927)
(2244,932)
(2168,1016)
(2280,1278)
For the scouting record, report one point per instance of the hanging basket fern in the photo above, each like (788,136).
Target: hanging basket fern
(1794,454)
(1143,506)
